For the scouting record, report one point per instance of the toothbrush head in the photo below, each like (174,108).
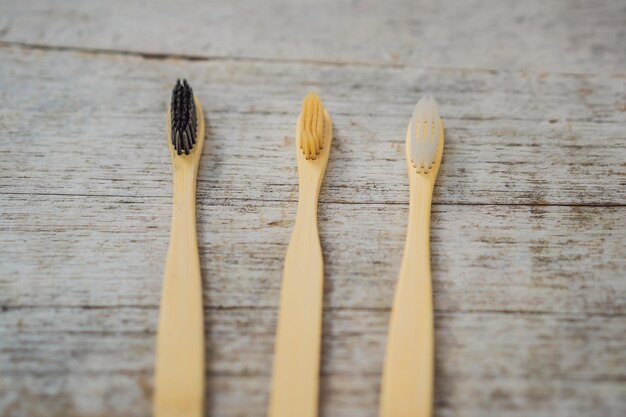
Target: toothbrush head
(312,126)
(425,136)
(183,118)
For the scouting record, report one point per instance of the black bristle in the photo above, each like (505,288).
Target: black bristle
(183,118)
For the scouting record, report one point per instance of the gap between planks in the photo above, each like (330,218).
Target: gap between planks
(155,56)
(202,203)
(438,311)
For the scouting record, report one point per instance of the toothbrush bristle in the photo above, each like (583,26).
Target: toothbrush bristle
(424,134)
(312,128)
(183,118)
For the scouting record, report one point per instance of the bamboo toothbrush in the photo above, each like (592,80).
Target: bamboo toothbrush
(179,378)
(407,384)
(295,382)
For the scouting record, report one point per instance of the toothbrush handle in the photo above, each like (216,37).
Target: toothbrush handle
(407,384)
(295,384)
(179,378)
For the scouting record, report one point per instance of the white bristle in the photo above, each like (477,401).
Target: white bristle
(424,131)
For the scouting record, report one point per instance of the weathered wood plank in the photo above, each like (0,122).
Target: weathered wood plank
(75,361)
(105,251)
(530,300)
(559,35)
(511,137)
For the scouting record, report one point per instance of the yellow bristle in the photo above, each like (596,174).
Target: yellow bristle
(312,129)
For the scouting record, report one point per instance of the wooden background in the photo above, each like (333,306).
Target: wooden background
(528,227)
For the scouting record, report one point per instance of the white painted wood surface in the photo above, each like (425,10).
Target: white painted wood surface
(556,35)
(528,227)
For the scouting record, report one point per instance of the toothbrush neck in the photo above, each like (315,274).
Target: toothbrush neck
(307,206)
(421,194)
(184,191)
(419,209)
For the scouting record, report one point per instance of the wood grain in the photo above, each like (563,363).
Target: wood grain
(506,130)
(484,258)
(528,223)
(82,361)
(557,35)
